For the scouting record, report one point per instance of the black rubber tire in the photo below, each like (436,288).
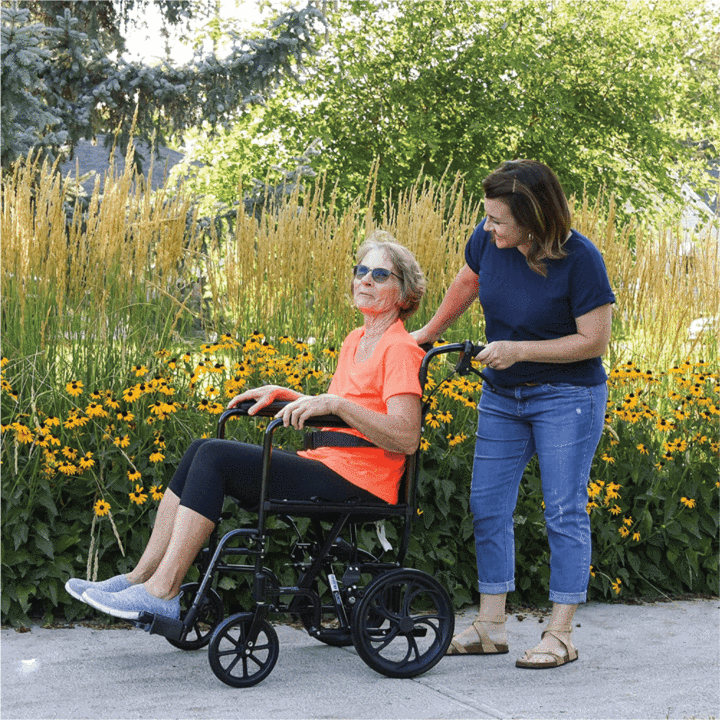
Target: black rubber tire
(210,616)
(236,663)
(403,624)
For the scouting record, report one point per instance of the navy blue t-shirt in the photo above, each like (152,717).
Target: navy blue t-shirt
(520,304)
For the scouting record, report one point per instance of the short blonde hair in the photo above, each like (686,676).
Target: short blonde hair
(412,278)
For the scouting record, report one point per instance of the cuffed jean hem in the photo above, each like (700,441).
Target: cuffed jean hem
(496,588)
(568,598)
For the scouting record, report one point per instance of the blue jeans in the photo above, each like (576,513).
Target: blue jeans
(562,424)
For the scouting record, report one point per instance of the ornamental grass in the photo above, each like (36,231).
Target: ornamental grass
(127,324)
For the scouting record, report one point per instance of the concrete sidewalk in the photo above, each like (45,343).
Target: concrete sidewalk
(636,661)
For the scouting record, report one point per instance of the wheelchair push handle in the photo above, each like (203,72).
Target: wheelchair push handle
(467,350)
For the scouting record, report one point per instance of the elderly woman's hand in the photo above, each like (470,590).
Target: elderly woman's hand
(264,396)
(306,407)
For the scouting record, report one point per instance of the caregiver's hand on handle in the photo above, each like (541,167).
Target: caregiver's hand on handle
(500,355)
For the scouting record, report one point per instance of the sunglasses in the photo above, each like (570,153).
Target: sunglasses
(379,275)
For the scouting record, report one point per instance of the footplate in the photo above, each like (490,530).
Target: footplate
(159,625)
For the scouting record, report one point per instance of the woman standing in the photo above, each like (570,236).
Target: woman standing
(548,307)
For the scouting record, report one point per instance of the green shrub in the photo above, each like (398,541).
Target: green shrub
(79,491)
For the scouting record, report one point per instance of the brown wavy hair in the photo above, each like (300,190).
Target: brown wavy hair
(538,205)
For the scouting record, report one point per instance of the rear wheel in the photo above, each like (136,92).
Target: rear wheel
(403,624)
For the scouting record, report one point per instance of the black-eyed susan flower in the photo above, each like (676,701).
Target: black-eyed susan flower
(156,492)
(137,495)
(86,461)
(131,394)
(95,410)
(74,388)
(134,475)
(688,502)
(68,468)
(611,491)
(101,508)
(122,442)
(643,450)
(125,416)
(424,444)
(156,457)
(636,537)
(616,586)
(140,370)
(69,453)
(615,510)
(623,531)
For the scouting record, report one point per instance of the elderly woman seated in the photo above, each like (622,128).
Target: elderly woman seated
(375,390)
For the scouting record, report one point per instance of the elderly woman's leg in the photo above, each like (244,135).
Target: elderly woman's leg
(159,539)
(189,533)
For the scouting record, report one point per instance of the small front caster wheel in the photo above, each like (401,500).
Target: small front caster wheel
(238,659)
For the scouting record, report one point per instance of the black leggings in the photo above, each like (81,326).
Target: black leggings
(211,469)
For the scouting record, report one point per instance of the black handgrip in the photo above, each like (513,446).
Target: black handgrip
(469,351)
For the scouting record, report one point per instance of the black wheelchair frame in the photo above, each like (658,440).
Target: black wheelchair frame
(400,620)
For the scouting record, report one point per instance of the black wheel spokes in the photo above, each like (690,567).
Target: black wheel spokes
(416,623)
(250,661)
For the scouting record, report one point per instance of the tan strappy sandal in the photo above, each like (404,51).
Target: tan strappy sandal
(483,646)
(556,660)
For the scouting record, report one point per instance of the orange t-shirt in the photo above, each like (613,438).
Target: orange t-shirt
(392,369)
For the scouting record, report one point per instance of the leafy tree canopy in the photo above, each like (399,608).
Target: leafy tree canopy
(614,95)
(63,77)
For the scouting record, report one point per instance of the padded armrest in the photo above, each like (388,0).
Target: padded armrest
(272,410)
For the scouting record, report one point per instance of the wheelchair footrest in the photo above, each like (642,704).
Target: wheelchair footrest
(159,625)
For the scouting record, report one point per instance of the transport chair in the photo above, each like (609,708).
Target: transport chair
(400,620)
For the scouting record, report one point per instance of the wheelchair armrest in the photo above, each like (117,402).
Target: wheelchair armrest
(272,410)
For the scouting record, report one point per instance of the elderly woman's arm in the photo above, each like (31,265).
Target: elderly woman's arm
(263,396)
(398,431)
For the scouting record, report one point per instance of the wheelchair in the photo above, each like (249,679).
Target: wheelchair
(400,620)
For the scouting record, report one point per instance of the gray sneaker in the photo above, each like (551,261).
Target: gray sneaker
(128,604)
(76,587)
